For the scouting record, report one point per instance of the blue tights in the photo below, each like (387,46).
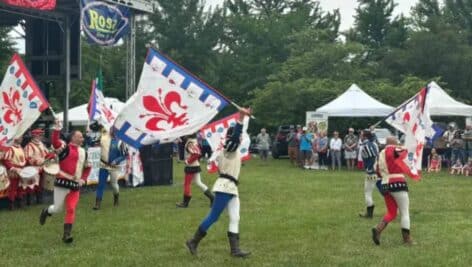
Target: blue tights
(219,204)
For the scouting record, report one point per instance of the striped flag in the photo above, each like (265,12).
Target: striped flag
(412,118)
(170,102)
(98,110)
(215,134)
(22,101)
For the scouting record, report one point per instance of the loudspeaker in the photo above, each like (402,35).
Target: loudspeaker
(157,164)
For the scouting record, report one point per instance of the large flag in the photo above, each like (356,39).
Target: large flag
(36,4)
(215,134)
(169,103)
(22,101)
(97,107)
(412,118)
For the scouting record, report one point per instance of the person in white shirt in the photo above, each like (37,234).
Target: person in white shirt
(335,146)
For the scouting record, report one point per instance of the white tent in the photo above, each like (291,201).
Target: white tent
(442,104)
(78,116)
(355,103)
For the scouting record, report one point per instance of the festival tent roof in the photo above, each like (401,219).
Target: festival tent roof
(78,116)
(442,104)
(355,103)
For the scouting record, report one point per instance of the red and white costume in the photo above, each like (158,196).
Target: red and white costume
(36,154)
(395,191)
(72,163)
(14,160)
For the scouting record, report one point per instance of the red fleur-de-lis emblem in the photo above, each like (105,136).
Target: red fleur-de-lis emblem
(107,113)
(12,107)
(165,112)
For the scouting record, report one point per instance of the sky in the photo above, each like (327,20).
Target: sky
(347,9)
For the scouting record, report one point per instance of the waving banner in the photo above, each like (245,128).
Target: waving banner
(103,23)
(169,103)
(215,134)
(97,107)
(22,101)
(36,4)
(412,118)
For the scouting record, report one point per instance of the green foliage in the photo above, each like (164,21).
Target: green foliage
(6,48)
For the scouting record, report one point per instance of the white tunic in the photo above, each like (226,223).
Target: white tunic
(228,163)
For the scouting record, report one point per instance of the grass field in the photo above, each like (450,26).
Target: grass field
(289,217)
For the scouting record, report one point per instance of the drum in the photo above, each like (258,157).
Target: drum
(4,181)
(29,177)
(50,172)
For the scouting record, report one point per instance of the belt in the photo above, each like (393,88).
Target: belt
(229,177)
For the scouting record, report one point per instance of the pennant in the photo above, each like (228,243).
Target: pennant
(412,118)
(35,4)
(215,134)
(98,110)
(22,101)
(169,103)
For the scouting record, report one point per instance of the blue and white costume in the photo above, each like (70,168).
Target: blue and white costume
(370,153)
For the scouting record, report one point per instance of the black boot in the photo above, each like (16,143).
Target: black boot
(234,244)
(39,197)
(11,205)
(28,199)
(116,199)
(44,215)
(192,244)
(210,196)
(369,214)
(376,231)
(67,237)
(406,237)
(184,203)
(98,203)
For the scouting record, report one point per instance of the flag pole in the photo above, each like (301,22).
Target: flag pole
(151,46)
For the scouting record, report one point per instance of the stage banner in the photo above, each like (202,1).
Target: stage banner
(93,157)
(103,23)
(35,4)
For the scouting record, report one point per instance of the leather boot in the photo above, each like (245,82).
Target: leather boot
(19,203)
(192,244)
(67,237)
(234,245)
(116,199)
(377,231)
(28,199)
(39,197)
(406,237)
(11,205)
(98,203)
(210,196)
(369,214)
(184,203)
(43,216)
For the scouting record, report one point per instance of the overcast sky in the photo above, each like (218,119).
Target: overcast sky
(347,8)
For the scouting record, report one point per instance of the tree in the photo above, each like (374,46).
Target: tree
(6,48)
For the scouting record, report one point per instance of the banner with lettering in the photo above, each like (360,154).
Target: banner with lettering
(93,157)
(103,23)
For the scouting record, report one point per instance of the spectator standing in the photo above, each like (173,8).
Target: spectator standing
(457,148)
(306,148)
(206,148)
(447,137)
(350,148)
(293,145)
(263,144)
(322,149)
(335,146)
(467,137)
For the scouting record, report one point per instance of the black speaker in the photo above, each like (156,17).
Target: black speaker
(157,164)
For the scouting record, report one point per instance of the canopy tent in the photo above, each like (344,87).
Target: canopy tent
(355,103)
(442,104)
(78,116)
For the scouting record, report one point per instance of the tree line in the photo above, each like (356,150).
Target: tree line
(285,57)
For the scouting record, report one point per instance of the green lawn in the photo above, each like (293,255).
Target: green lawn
(289,217)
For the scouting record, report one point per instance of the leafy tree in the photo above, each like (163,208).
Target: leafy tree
(6,48)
